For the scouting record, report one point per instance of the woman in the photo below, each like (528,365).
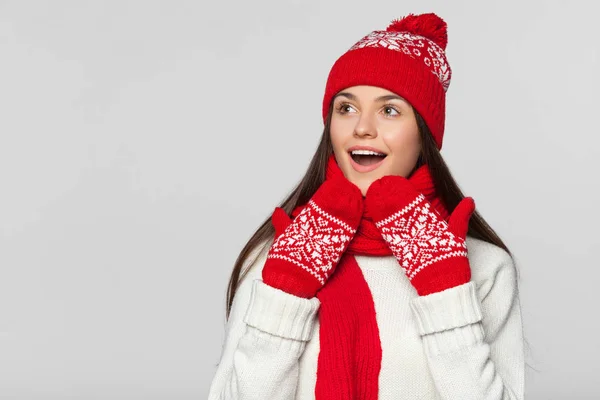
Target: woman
(384,282)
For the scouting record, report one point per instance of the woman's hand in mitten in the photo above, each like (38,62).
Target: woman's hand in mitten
(307,250)
(431,251)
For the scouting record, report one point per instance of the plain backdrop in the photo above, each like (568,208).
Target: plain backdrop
(143,142)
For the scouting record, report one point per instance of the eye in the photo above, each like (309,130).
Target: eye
(391,111)
(344,108)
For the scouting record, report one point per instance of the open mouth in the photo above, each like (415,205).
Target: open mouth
(366,160)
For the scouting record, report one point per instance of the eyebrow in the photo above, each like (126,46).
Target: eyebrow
(380,98)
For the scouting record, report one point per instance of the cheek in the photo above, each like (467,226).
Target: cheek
(400,143)
(405,148)
(339,132)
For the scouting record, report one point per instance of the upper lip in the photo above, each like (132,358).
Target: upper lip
(366,148)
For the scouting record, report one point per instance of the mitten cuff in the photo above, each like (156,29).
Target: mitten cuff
(279,313)
(448,309)
(444,274)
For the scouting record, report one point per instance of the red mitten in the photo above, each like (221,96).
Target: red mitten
(431,251)
(307,250)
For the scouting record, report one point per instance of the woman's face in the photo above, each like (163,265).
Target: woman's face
(374,119)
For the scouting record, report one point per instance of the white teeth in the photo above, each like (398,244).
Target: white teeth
(367,153)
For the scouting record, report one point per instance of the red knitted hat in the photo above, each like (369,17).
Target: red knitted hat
(409,59)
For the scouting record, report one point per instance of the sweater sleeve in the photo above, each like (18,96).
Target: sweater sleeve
(473,337)
(265,335)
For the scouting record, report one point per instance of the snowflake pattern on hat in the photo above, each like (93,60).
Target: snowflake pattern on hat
(414,46)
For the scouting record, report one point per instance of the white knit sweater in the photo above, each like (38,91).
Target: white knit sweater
(463,343)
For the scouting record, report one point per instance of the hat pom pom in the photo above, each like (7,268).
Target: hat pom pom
(427,25)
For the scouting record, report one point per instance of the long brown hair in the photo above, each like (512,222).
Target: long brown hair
(446,188)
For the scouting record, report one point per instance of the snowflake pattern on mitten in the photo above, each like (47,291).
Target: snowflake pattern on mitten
(419,237)
(314,242)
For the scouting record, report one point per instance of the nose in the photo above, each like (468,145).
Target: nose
(365,127)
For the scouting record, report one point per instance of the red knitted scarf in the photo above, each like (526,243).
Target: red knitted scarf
(350,349)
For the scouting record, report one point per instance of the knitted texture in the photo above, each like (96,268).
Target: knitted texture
(431,251)
(307,249)
(350,357)
(462,343)
(367,239)
(409,59)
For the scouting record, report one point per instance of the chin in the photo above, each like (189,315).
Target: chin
(363,179)
(363,183)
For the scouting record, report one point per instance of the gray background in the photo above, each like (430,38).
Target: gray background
(141,143)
